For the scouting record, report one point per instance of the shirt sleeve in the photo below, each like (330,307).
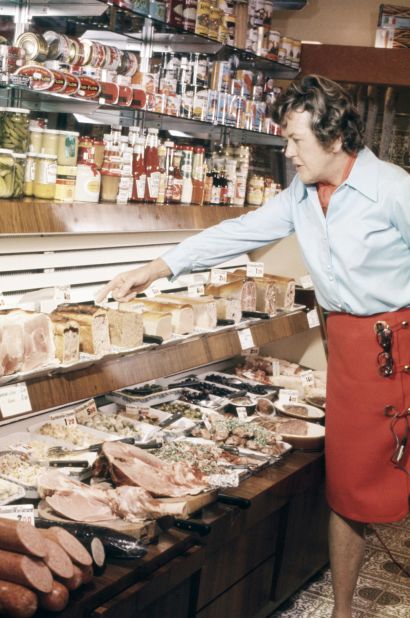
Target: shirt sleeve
(401,208)
(233,237)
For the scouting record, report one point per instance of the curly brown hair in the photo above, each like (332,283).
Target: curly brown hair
(331,107)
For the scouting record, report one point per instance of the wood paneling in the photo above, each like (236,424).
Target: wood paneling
(244,599)
(112,373)
(364,65)
(45,217)
(234,560)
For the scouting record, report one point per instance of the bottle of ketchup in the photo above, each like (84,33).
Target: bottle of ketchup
(138,171)
(152,166)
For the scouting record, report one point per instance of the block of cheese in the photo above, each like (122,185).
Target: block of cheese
(126,328)
(204,308)
(244,290)
(157,323)
(229,309)
(285,287)
(66,339)
(182,315)
(93,323)
(26,341)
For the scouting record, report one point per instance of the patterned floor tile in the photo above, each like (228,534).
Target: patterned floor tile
(396,539)
(303,606)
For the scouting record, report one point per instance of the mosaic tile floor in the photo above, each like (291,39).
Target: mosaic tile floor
(383,591)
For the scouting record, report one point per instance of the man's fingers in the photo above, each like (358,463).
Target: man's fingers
(103,293)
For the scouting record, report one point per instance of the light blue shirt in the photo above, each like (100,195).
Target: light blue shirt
(358,255)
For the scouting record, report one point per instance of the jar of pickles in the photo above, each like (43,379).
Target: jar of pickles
(45,176)
(14,131)
(7,172)
(20,160)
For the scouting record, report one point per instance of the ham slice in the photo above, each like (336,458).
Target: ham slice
(26,341)
(78,506)
(129,465)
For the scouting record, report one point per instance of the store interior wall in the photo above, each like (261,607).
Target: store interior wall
(338,22)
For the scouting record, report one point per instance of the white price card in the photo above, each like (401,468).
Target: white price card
(64,418)
(246,339)
(313,318)
(255,269)
(252,351)
(275,367)
(153,290)
(218,276)
(287,395)
(306,282)
(307,378)
(18,512)
(241,412)
(14,399)
(196,290)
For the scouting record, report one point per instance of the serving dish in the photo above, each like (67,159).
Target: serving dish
(299,409)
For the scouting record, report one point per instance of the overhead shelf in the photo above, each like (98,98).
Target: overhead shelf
(364,65)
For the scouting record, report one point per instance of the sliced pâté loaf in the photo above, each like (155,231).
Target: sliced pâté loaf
(229,309)
(204,308)
(244,290)
(182,315)
(93,323)
(126,328)
(66,338)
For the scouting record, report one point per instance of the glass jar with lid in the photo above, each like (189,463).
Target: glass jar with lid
(45,176)
(67,147)
(36,140)
(50,142)
(20,160)
(256,187)
(7,172)
(14,131)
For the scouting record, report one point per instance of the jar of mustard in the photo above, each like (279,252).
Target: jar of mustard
(36,140)
(50,142)
(45,176)
(30,173)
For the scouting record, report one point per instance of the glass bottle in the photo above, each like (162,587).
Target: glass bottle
(177,178)
(152,166)
(186,169)
(198,170)
(169,169)
(138,172)
(162,155)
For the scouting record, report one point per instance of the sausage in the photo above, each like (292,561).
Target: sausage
(74,582)
(57,560)
(17,601)
(56,600)
(72,546)
(22,537)
(87,574)
(24,570)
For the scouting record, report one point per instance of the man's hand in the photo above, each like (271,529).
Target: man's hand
(127,285)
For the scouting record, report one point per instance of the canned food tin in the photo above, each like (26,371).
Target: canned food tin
(34,45)
(87,50)
(59,81)
(40,77)
(129,64)
(285,44)
(109,93)
(273,46)
(58,46)
(97,57)
(89,87)
(296,49)
(72,83)
(112,58)
(65,183)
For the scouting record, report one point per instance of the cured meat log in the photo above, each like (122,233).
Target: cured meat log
(93,323)
(57,560)
(26,341)
(66,339)
(155,323)
(72,546)
(17,601)
(284,288)
(22,537)
(239,288)
(21,569)
(55,600)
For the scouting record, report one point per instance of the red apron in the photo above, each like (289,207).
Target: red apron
(362,482)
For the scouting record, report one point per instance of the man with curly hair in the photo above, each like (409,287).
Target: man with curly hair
(351,214)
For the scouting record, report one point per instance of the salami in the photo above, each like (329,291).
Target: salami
(56,600)
(75,581)
(76,551)
(21,537)
(57,560)
(17,601)
(24,570)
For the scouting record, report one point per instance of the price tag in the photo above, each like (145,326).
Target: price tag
(218,276)
(196,290)
(275,367)
(208,423)
(153,290)
(313,318)
(255,269)
(307,378)
(241,412)
(85,410)
(306,282)
(20,80)
(286,395)
(18,512)
(246,339)
(64,418)
(14,399)
(252,351)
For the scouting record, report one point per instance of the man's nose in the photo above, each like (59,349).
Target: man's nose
(289,150)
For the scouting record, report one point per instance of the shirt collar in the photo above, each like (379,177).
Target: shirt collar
(362,177)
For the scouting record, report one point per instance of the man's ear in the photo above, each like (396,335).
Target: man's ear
(337,145)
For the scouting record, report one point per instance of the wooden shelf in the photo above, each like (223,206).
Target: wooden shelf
(49,391)
(364,65)
(46,217)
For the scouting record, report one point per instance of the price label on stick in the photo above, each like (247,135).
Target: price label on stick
(196,290)
(255,269)
(65,418)
(246,339)
(275,367)
(241,412)
(306,282)
(287,395)
(218,276)
(313,318)
(153,290)
(14,400)
(18,512)
(307,378)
